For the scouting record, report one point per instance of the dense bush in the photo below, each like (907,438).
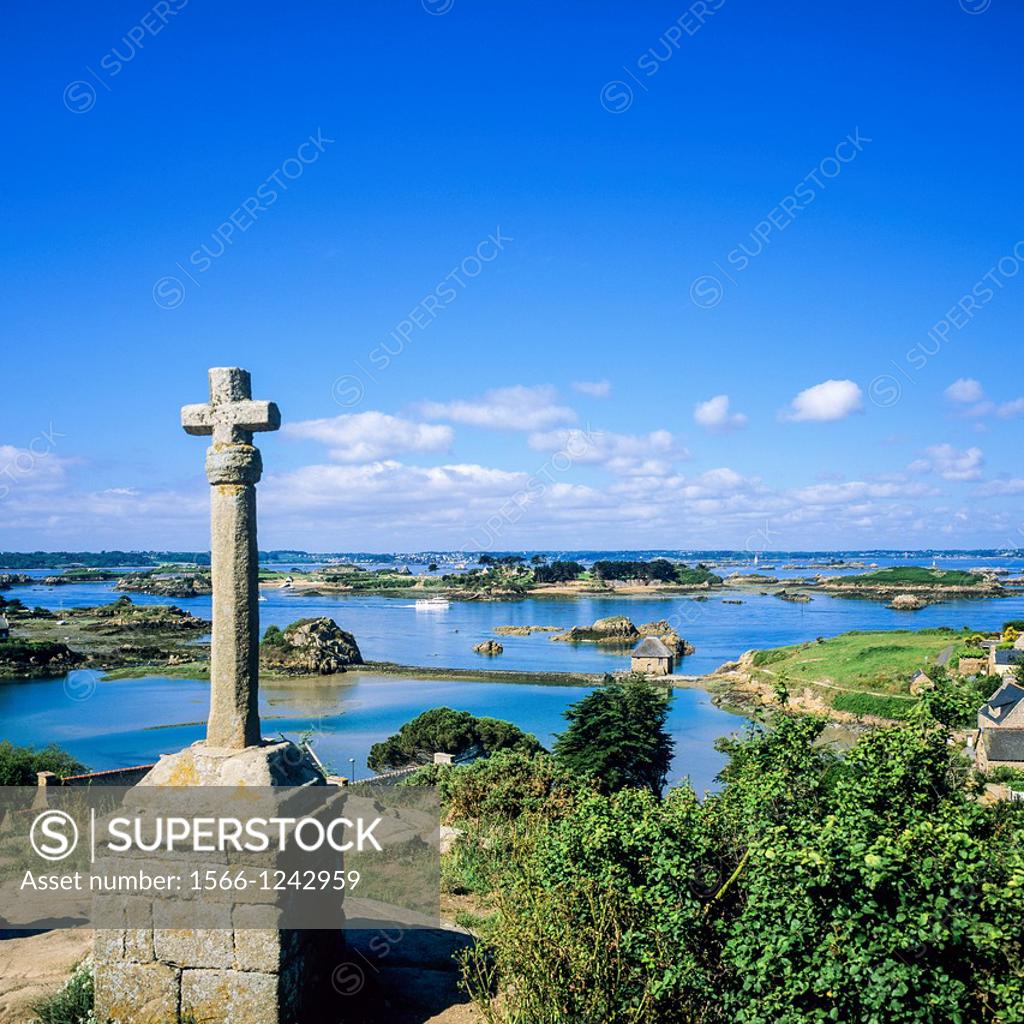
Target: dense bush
(872,704)
(18,765)
(956,699)
(864,889)
(442,730)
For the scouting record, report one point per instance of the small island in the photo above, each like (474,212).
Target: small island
(43,643)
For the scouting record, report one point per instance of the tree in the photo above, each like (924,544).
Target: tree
(557,572)
(617,736)
(18,765)
(955,699)
(444,731)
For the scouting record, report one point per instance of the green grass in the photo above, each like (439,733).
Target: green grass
(915,575)
(880,661)
(871,704)
(186,670)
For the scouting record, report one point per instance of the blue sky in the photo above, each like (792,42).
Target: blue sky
(498,263)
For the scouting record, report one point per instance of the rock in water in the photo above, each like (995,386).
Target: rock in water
(489,647)
(614,630)
(309,647)
(663,630)
(907,603)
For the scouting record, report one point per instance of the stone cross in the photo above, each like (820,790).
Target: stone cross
(233,466)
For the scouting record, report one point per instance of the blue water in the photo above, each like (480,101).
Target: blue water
(120,722)
(391,628)
(115,723)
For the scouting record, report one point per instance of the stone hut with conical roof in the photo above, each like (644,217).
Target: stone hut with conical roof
(652,657)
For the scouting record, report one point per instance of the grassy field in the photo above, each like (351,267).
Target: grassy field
(879,662)
(915,575)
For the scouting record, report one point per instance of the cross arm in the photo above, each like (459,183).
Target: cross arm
(252,414)
(197,419)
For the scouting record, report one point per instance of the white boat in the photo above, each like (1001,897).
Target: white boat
(432,604)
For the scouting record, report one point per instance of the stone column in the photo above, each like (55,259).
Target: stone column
(234,659)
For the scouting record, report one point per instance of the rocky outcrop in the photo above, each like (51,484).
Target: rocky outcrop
(13,579)
(524,630)
(795,596)
(907,603)
(309,647)
(663,630)
(123,615)
(36,658)
(614,631)
(188,585)
(618,631)
(489,647)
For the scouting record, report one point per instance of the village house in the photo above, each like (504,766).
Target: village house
(919,682)
(999,748)
(1003,660)
(652,657)
(1000,737)
(1004,709)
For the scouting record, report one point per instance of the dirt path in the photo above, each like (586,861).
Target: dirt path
(34,967)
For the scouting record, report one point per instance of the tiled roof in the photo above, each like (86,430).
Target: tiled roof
(651,647)
(1004,744)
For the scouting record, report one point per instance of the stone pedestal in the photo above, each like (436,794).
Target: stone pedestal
(232,975)
(213,959)
(279,763)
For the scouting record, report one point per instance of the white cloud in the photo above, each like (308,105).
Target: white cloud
(714,415)
(1008,410)
(995,488)
(964,391)
(968,392)
(34,468)
(593,388)
(367,436)
(825,402)
(647,454)
(860,490)
(512,408)
(950,463)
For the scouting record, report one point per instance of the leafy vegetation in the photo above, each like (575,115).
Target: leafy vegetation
(861,889)
(617,736)
(557,572)
(659,570)
(873,704)
(915,575)
(442,730)
(19,765)
(72,1003)
(955,699)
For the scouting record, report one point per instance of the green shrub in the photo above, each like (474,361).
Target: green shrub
(872,704)
(19,765)
(861,889)
(762,658)
(442,730)
(617,736)
(72,1003)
